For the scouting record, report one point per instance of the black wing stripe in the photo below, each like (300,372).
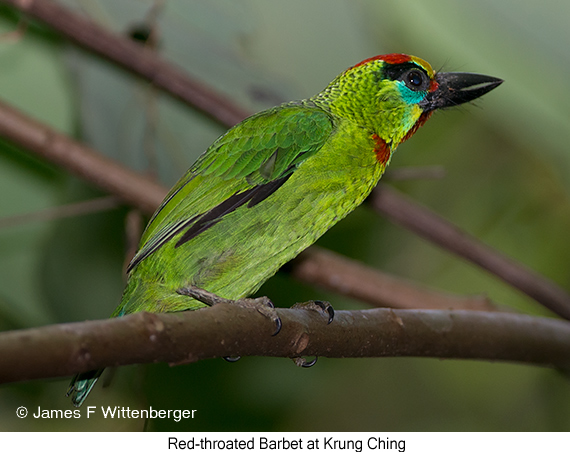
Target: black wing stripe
(254,196)
(264,191)
(214,215)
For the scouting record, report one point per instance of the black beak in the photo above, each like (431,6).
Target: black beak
(457,88)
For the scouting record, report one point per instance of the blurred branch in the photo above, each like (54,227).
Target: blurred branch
(68,210)
(79,160)
(60,350)
(427,224)
(131,56)
(340,274)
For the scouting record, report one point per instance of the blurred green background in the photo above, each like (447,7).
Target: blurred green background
(506,161)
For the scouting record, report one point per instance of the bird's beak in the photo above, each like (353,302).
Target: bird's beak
(456,88)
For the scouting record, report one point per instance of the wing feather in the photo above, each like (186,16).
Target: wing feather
(239,170)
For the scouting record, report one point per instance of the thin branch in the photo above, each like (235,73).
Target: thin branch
(57,212)
(405,212)
(132,57)
(79,160)
(340,274)
(61,350)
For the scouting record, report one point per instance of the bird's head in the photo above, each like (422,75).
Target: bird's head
(394,94)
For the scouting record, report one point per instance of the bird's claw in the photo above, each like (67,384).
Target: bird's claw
(263,305)
(302,362)
(325,306)
(278,325)
(322,307)
(231,359)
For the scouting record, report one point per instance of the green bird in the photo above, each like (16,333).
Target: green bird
(273,184)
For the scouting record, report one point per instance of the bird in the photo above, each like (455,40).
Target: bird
(274,183)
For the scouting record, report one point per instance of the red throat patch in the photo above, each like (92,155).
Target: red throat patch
(381,149)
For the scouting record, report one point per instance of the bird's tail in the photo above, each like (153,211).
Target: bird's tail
(81,386)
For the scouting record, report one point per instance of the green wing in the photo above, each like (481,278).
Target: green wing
(242,167)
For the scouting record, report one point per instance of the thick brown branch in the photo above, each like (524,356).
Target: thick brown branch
(405,212)
(61,350)
(132,57)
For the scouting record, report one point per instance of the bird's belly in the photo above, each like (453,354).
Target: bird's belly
(234,257)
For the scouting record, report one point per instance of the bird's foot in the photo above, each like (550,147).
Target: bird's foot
(322,307)
(325,309)
(263,305)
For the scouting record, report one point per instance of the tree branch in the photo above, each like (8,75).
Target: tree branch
(61,350)
(80,160)
(340,274)
(69,210)
(405,212)
(133,57)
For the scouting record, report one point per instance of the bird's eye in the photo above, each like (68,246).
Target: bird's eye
(416,80)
